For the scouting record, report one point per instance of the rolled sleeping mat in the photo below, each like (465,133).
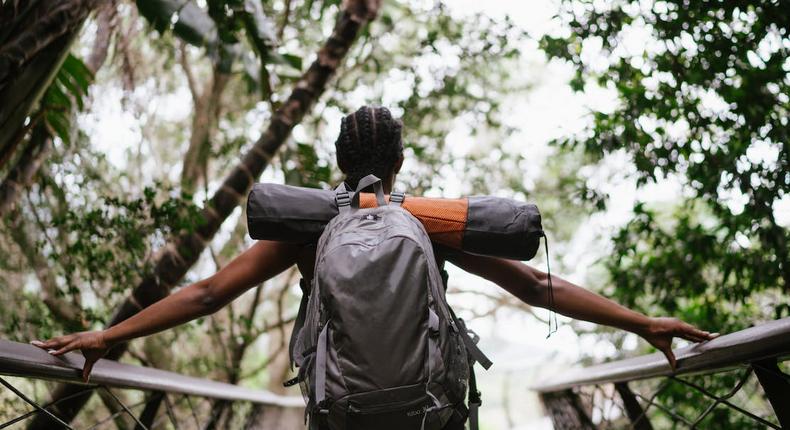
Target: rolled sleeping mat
(485,225)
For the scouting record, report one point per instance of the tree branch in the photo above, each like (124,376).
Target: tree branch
(184,62)
(107,21)
(284,21)
(208,107)
(21,175)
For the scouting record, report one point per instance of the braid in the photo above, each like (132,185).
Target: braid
(369,143)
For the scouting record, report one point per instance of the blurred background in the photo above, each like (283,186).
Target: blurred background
(653,135)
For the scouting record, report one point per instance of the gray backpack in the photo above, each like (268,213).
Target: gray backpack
(375,341)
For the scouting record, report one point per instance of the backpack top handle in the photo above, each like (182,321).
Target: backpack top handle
(377,187)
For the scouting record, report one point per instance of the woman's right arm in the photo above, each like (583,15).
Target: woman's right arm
(262,261)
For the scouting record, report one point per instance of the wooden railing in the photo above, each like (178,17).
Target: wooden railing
(22,363)
(734,379)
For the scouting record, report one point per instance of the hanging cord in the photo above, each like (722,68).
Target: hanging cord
(552,311)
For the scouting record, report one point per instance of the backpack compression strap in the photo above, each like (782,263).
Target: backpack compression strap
(343,198)
(397,198)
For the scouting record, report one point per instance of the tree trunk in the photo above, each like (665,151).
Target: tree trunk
(39,144)
(35,40)
(21,175)
(566,410)
(182,252)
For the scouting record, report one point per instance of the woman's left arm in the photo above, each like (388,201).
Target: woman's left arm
(531,286)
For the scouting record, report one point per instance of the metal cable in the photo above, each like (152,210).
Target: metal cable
(125,408)
(723,399)
(192,409)
(46,406)
(114,415)
(650,403)
(665,409)
(34,404)
(170,413)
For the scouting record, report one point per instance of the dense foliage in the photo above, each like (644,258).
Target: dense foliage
(702,102)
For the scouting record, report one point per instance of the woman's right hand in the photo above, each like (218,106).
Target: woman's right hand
(660,332)
(92,344)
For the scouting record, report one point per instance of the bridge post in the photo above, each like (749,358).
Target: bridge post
(776,385)
(636,413)
(566,410)
(149,412)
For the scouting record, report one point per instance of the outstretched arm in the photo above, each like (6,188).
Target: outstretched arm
(531,286)
(262,261)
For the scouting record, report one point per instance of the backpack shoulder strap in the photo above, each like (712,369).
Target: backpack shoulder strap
(474,400)
(304,285)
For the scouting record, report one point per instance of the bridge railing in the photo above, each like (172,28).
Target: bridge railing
(738,380)
(133,396)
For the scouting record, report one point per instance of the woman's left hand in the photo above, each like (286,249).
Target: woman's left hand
(660,332)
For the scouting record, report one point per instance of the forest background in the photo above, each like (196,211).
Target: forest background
(652,134)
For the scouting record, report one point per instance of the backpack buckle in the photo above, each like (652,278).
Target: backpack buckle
(397,197)
(343,199)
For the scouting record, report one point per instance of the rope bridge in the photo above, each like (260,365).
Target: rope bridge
(739,380)
(147,398)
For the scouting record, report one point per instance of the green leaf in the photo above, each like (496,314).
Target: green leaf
(78,71)
(185,18)
(290,60)
(59,122)
(56,98)
(75,78)
(294,60)
(62,79)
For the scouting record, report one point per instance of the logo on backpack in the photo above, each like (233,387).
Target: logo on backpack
(415,412)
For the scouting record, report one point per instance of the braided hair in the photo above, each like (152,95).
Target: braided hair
(369,143)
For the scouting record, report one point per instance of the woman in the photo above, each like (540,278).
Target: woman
(369,143)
